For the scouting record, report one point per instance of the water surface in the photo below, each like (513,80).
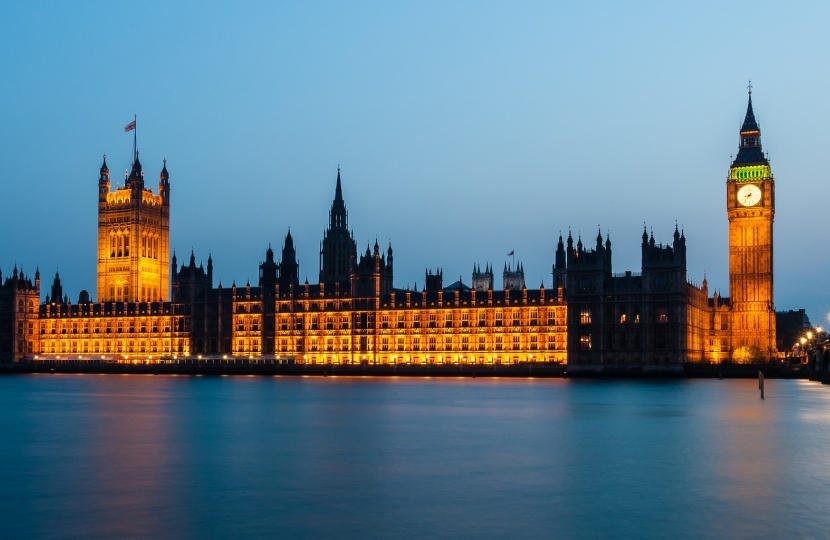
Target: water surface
(107,456)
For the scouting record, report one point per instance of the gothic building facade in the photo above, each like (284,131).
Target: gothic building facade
(150,310)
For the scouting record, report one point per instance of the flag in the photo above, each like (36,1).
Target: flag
(509,254)
(129,127)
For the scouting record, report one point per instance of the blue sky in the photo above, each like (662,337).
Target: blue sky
(464,130)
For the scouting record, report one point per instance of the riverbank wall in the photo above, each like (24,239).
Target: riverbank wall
(527,370)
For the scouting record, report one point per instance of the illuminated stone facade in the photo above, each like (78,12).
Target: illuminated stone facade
(590,318)
(133,238)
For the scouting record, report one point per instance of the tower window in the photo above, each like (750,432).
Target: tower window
(585,341)
(585,316)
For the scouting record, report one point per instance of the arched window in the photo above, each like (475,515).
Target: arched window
(126,245)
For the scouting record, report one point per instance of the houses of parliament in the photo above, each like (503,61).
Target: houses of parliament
(151,308)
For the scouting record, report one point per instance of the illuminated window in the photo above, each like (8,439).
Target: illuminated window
(499,318)
(516,318)
(465,343)
(534,343)
(516,343)
(662,315)
(585,317)
(432,343)
(585,341)
(499,343)
(482,343)
(534,318)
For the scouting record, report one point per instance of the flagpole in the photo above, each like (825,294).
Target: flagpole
(135,135)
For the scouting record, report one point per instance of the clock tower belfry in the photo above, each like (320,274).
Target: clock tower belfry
(750,206)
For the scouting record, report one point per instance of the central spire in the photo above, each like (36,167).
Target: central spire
(338,191)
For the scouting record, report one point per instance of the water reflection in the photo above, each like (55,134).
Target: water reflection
(107,457)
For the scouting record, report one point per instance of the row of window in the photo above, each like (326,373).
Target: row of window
(106,346)
(622,341)
(96,326)
(661,315)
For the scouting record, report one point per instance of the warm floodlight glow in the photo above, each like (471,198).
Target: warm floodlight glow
(803,341)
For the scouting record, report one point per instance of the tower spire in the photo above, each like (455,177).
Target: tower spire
(750,151)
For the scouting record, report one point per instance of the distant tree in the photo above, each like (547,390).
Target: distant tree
(747,354)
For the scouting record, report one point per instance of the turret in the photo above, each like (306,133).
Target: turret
(57,290)
(164,184)
(104,181)
(289,268)
(135,180)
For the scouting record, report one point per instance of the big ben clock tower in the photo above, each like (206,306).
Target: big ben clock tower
(750,205)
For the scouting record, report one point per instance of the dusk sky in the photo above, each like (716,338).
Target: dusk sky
(463,130)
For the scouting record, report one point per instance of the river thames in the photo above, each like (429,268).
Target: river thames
(108,456)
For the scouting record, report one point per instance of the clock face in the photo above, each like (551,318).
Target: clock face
(749,195)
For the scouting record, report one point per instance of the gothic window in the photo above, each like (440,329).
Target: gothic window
(448,319)
(662,315)
(447,343)
(585,341)
(465,319)
(482,343)
(400,343)
(534,343)
(516,318)
(534,318)
(432,319)
(585,316)
(499,343)
(432,344)
(465,343)
(499,318)
(126,246)
(482,318)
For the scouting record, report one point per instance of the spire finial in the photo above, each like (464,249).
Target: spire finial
(749,88)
